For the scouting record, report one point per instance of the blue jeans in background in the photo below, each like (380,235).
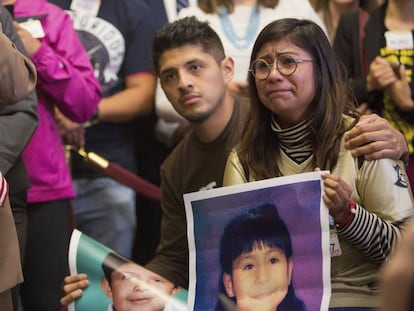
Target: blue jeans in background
(105,211)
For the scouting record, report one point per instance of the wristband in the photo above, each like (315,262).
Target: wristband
(351,215)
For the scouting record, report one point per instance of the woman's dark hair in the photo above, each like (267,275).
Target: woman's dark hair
(212,6)
(258,225)
(186,31)
(259,146)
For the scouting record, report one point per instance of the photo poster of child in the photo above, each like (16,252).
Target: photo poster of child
(117,283)
(262,245)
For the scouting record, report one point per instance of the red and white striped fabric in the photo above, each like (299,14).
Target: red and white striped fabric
(4,190)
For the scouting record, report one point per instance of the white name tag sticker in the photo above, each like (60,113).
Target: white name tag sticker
(86,7)
(334,246)
(34,26)
(399,40)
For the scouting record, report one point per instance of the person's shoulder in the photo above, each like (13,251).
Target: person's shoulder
(179,153)
(56,15)
(349,121)
(351,17)
(348,27)
(173,165)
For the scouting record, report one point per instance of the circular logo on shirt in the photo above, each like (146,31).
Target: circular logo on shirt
(105,46)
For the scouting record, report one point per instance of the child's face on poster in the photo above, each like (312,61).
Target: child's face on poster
(136,288)
(260,279)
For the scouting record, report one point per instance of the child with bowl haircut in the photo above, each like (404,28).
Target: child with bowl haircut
(256,262)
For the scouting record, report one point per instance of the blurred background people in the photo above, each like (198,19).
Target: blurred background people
(377,51)
(331,10)
(63,68)
(22,118)
(17,79)
(117,35)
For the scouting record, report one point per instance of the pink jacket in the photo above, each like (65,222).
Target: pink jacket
(65,80)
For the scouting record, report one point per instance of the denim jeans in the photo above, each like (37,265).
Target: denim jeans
(105,211)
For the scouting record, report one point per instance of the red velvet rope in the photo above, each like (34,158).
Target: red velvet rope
(133,181)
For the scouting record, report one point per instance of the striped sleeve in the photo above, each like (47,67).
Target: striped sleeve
(373,236)
(4,190)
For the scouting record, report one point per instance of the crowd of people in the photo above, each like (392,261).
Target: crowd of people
(218,93)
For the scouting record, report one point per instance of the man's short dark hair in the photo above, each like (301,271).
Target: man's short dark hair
(186,31)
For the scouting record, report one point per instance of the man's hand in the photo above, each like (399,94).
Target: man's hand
(239,88)
(400,91)
(72,288)
(72,133)
(374,138)
(364,109)
(381,74)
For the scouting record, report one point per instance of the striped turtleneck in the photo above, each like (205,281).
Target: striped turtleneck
(294,141)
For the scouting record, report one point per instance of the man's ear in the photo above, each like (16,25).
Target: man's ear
(228,284)
(227,65)
(106,287)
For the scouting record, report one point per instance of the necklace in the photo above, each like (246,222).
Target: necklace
(240,42)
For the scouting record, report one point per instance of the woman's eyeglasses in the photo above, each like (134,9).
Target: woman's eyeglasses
(285,64)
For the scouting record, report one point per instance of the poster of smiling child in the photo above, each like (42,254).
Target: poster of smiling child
(262,245)
(117,283)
